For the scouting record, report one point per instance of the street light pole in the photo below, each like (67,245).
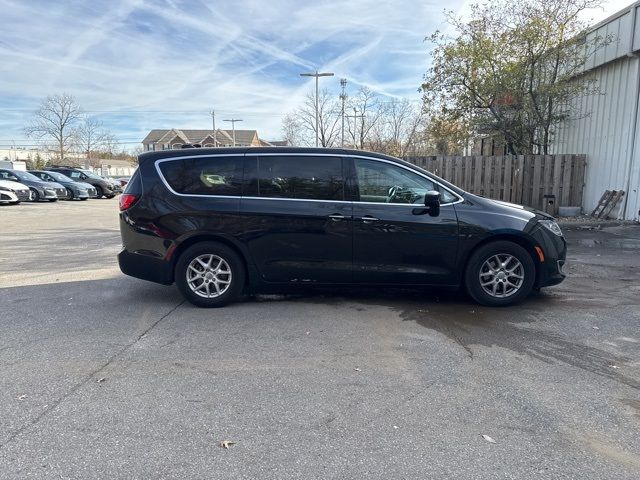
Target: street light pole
(233,127)
(317,75)
(343,97)
(213,119)
(355,117)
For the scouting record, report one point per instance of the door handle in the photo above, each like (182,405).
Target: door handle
(369,219)
(336,217)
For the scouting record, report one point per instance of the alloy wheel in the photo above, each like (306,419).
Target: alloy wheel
(501,275)
(209,276)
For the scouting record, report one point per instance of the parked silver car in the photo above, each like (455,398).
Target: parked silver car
(41,190)
(14,192)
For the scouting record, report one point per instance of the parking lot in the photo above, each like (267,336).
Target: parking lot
(106,376)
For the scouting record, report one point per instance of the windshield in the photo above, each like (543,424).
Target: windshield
(26,176)
(92,175)
(59,177)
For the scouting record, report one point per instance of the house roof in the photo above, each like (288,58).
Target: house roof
(243,137)
(279,143)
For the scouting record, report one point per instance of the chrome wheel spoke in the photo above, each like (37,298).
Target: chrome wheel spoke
(209,275)
(501,275)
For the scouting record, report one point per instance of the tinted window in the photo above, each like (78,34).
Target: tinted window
(314,178)
(204,175)
(135,184)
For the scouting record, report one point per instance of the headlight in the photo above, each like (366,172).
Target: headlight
(552,226)
(6,189)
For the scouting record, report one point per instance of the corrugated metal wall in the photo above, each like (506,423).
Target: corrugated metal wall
(605,132)
(607,127)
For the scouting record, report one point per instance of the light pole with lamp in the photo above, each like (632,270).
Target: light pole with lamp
(317,75)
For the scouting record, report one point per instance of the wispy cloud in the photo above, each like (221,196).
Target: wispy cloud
(142,64)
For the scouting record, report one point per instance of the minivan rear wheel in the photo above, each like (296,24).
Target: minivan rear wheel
(500,273)
(210,274)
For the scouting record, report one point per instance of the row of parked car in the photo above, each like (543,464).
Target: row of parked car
(55,183)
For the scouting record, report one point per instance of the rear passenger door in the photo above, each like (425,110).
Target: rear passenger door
(298,224)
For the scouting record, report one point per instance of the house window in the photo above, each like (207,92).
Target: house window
(176,146)
(208,145)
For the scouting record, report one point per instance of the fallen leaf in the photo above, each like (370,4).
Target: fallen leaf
(226,444)
(308,333)
(22,397)
(488,438)
(101,379)
(595,328)
(615,367)
(357,369)
(395,426)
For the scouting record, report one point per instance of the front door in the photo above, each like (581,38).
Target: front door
(298,225)
(395,241)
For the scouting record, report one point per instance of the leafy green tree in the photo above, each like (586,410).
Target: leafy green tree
(513,69)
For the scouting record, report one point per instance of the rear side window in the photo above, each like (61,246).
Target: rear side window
(134,186)
(204,175)
(313,178)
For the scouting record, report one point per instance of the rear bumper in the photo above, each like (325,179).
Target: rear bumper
(146,267)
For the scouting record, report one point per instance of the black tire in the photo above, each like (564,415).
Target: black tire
(36,195)
(52,199)
(70,195)
(227,255)
(501,250)
(83,199)
(99,192)
(110,196)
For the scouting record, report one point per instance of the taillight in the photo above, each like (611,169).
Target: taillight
(126,200)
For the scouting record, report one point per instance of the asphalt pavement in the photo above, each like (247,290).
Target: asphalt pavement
(106,376)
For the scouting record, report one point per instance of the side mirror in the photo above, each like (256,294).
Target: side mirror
(432,202)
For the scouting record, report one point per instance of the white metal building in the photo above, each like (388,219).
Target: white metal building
(609,135)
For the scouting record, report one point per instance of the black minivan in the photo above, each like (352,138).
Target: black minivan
(220,221)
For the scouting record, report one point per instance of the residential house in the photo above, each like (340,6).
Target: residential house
(162,139)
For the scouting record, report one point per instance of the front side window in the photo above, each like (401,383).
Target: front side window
(381,182)
(312,178)
(204,175)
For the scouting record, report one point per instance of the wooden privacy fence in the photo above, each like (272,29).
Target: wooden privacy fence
(545,182)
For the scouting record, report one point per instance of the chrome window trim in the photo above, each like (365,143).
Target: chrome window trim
(256,154)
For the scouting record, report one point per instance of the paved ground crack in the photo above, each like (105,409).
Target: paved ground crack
(53,405)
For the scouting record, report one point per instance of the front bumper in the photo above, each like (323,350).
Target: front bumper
(93,193)
(81,194)
(61,193)
(554,247)
(23,195)
(8,197)
(48,194)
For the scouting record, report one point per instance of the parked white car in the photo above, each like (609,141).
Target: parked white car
(14,192)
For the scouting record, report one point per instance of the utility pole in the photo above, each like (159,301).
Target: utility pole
(213,120)
(233,127)
(343,97)
(355,117)
(317,75)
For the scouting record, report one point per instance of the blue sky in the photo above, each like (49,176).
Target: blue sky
(142,64)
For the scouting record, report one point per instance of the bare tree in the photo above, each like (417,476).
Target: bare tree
(54,121)
(369,110)
(292,130)
(299,126)
(90,137)
(397,128)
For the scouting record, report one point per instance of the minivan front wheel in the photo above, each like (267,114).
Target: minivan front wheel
(210,274)
(500,273)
